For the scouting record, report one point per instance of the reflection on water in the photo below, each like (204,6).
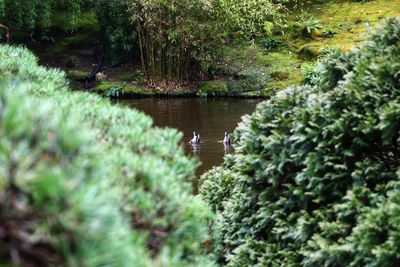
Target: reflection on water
(227,149)
(196,148)
(209,117)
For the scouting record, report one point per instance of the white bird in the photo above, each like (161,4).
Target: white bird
(195,139)
(227,139)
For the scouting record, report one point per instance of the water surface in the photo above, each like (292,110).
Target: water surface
(210,117)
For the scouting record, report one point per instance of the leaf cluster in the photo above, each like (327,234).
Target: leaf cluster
(315,179)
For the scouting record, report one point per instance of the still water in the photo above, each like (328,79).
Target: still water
(210,117)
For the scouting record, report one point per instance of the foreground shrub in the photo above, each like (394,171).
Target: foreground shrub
(52,208)
(84,182)
(314,180)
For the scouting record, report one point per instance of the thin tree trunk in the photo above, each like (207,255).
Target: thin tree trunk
(142,61)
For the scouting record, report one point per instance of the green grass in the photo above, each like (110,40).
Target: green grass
(349,19)
(281,68)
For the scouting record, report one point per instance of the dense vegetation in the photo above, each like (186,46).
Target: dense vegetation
(86,183)
(177,40)
(314,180)
(28,16)
(175,37)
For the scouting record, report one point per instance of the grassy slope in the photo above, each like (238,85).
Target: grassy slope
(282,68)
(350,20)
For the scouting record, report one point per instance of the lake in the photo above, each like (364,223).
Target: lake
(210,117)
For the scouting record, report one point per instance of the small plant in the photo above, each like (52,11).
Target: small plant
(308,26)
(328,32)
(249,80)
(113,92)
(270,42)
(213,88)
(309,74)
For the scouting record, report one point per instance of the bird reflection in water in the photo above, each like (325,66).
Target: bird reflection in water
(227,149)
(196,148)
(195,142)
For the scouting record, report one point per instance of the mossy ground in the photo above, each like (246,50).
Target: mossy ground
(274,70)
(350,20)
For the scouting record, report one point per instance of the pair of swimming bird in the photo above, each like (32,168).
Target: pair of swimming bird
(196,139)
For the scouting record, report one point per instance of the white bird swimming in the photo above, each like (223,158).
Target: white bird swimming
(227,139)
(195,139)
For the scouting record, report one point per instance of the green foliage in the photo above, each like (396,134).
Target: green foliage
(328,32)
(85,182)
(114,92)
(135,77)
(310,75)
(269,43)
(252,71)
(119,38)
(28,16)
(77,75)
(176,38)
(308,26)
(213,88)
(249,19)
(314,180)
(249,79)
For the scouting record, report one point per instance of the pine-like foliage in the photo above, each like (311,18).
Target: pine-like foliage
(87,183)
(314,180)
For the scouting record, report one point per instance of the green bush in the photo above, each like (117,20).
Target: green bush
(84,182)
(248,20)
(213,88)
(308,26)
(328,32)
(250,79)
(269,43)
(314,180)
